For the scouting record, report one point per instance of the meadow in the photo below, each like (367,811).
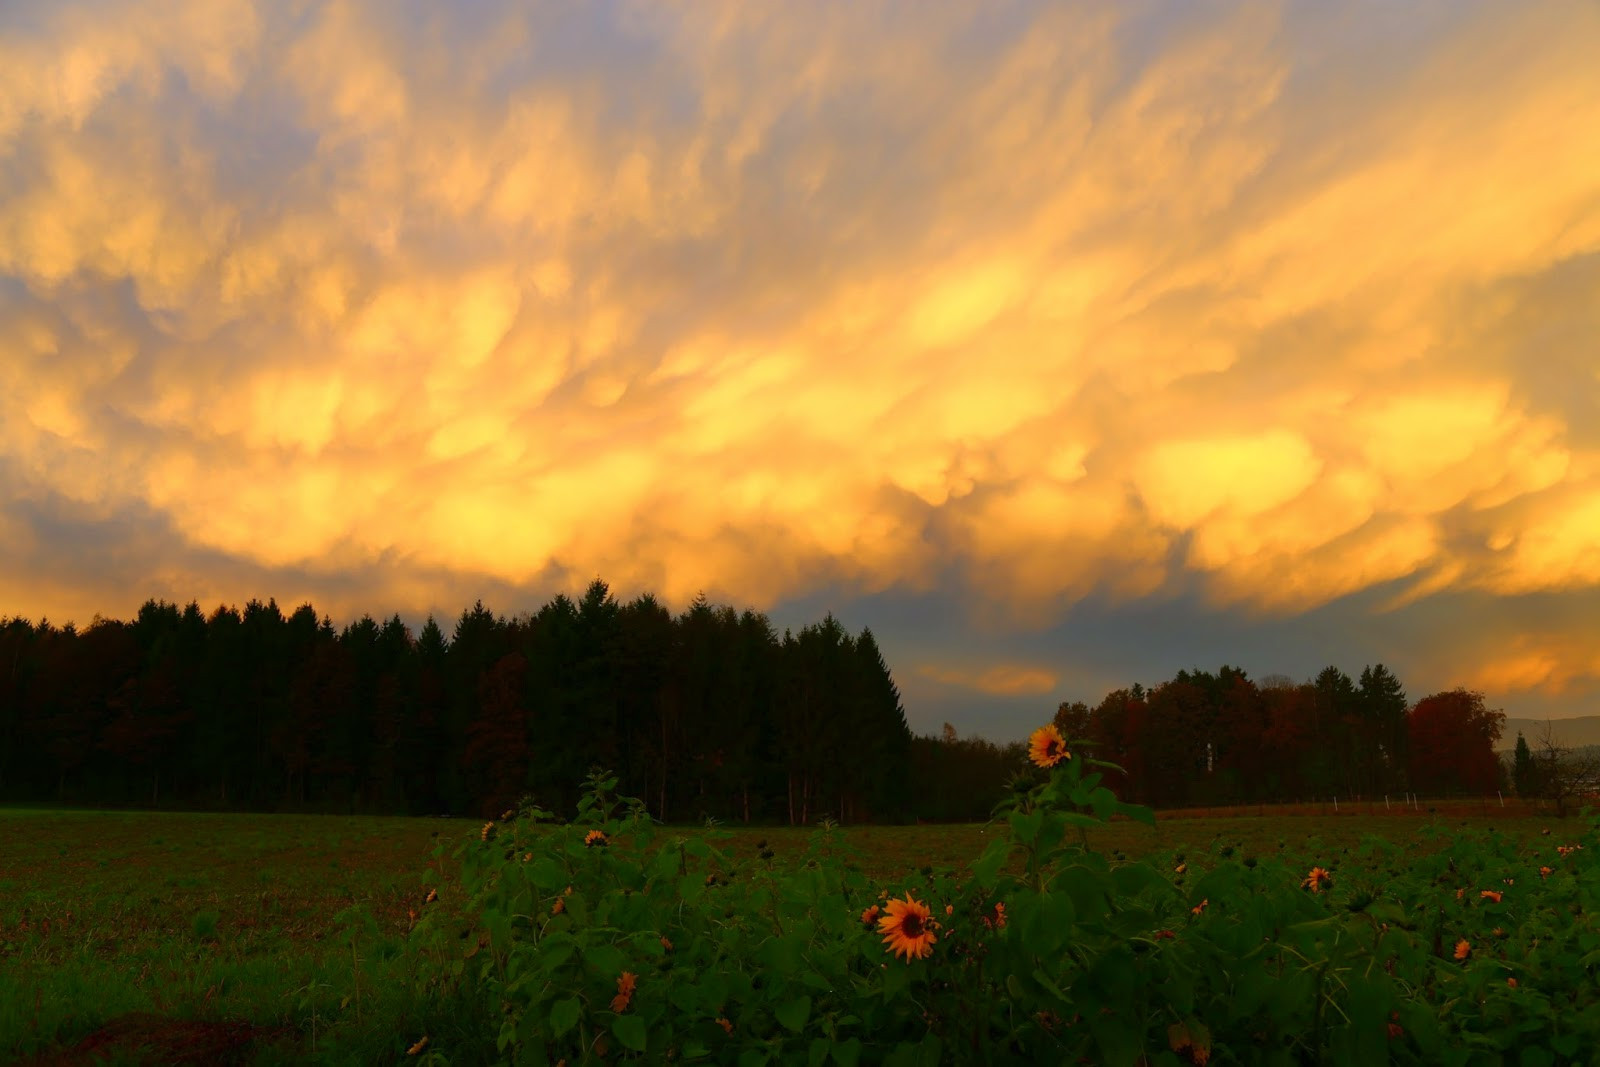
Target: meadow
(130,937)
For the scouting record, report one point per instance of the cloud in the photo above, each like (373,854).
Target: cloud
(1044,305)
(999,680)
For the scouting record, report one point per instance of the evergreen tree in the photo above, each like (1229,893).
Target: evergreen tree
(1522,769)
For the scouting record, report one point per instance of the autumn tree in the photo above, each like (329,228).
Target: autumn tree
(1451,738)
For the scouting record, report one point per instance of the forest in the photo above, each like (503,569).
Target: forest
(708,714)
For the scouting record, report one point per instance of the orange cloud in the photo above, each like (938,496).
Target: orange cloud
(1075,302)
(999,680)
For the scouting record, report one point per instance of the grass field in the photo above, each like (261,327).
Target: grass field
(177,937)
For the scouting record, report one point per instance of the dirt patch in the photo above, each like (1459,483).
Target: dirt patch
(158,1039)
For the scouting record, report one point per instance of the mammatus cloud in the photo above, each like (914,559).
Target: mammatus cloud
(1026,302)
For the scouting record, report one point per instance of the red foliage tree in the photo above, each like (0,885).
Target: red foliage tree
(1451,739)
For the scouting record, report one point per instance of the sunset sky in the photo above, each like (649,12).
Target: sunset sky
(1065,345)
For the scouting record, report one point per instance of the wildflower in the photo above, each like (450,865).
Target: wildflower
(596,837)
(1180,1038)
(1317,879)
(527,857)
(666,944)
(626,984)
(1463,949)
(1046,746)
(906,929)
(1512,982)
(416,1050)
(433,895)
(1180,868)
(870,915)
(727,1026)
(1198,908)
(949,910)
(999,916)
(1491,894)
(558,907)
(1500,931)
(1545,872)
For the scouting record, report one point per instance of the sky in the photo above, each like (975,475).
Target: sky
(1064,345)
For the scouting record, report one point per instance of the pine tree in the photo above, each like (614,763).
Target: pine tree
(1522,769)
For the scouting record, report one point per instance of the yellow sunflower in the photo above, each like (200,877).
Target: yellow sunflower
(596,837)
(1318,878)
(1046,746)
(907,928)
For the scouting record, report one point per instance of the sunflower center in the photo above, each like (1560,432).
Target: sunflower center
(912,925)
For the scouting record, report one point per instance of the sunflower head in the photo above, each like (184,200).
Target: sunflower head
(1463,949)
(595,837)
(627,982)
(907,928)
(1046,746)
(1317,879)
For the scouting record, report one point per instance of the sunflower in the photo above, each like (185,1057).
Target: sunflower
(1046,746)
(1463,949)
(626,984)
(1491,894)
(595,837)
(907,928)
(1318,878)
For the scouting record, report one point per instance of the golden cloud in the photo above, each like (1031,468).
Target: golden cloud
(998,680)
(1066,302)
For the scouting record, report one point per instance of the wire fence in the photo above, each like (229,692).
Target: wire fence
(1393,805)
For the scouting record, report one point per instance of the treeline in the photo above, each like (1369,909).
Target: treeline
(1206,738)
(1202,739)
(709,713)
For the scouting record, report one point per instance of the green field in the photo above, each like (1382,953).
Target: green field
(205,938)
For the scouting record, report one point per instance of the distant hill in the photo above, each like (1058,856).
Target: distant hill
(1574,733)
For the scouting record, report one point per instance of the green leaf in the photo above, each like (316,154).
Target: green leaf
(605,959)
(794,1013)
(987,867)
(847,1053)
(546,873)
(564,1015)
(1026,827)
(630,1032)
